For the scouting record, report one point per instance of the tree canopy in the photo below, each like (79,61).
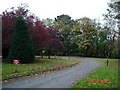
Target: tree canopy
(66,36)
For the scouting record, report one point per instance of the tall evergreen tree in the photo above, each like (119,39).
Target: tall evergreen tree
(21,44)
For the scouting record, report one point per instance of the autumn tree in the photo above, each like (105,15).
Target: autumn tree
(42,36)
(87,36)
(56,43)
(46,38)
(8,23)
(64,24)
(112,19)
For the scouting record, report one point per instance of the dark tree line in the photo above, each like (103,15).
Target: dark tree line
(42,36)
(87,37)
(65,36)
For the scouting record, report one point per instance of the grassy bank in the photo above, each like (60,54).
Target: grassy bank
(40,66)
(102,77)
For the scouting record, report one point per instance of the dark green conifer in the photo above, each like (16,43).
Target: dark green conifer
(21,45)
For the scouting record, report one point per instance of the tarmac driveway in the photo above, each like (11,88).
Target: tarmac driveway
(57,79)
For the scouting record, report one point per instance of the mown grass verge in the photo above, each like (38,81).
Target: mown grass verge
(102,77)
(40,66)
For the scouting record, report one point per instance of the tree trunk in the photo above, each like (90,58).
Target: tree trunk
(48,51)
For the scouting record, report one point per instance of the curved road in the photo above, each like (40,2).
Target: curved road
(57,79)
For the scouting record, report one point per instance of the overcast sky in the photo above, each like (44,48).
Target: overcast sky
(52,8)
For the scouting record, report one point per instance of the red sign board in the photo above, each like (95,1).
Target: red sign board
(16,61)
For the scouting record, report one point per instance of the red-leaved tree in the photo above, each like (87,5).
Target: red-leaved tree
(43,37)
(8,24)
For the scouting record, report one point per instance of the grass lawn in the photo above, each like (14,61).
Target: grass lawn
(40,66)
(102,77)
